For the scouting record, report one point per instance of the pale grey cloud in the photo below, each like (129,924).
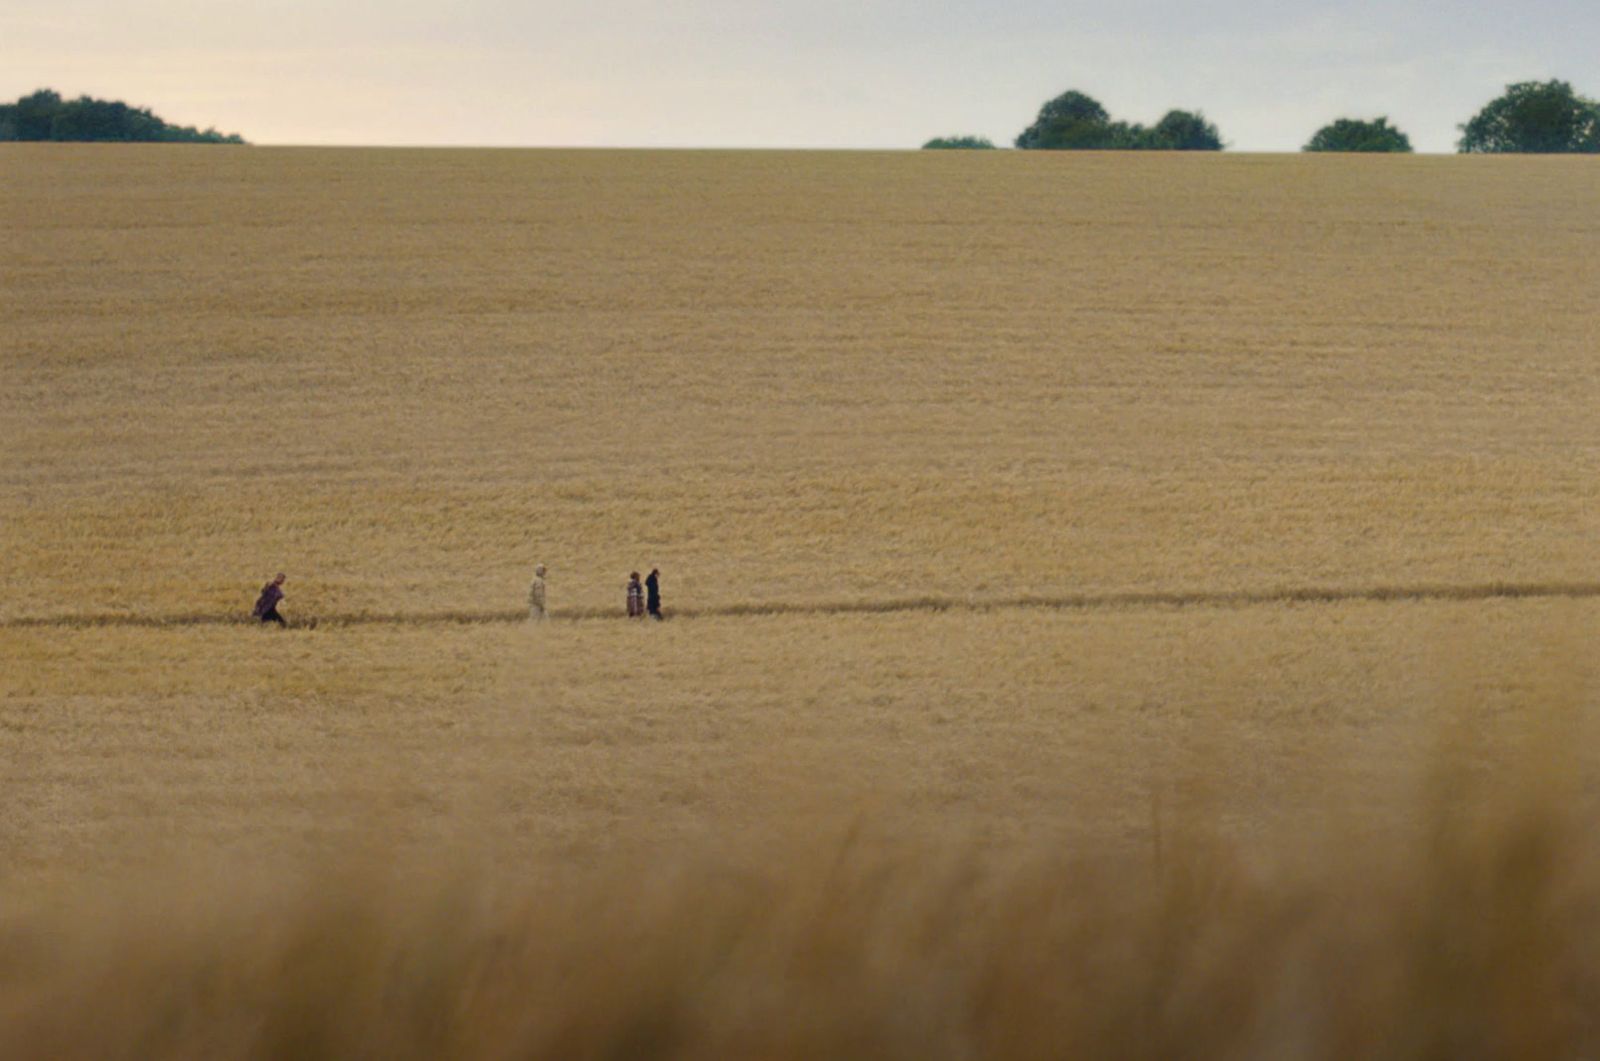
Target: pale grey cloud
(745,72)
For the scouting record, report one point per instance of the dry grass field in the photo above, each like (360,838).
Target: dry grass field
(1117,605)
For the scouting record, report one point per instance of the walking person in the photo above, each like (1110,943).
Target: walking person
(652,588)
(266,608)
(536,611)
(635,597)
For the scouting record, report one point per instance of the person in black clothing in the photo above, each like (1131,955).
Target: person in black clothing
(652,589)
(267,604)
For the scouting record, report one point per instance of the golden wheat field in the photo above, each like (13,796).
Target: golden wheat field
(1117,606)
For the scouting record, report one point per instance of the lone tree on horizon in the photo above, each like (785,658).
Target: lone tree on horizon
(1536,118)
(1069,119)
(1183,131)
(1354,134)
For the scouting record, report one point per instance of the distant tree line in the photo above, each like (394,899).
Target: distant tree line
(1076,122)
(44,115)
(959,143)
(1532,117)
(1354,134)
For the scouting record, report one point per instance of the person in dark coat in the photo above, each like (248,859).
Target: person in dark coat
(652,590)
(267,604)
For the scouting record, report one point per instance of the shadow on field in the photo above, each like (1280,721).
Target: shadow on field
(1057,602)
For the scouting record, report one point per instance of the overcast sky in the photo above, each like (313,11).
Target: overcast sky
(786,73)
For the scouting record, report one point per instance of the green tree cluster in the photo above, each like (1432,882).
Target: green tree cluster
(959,143)
(44,115)
(1534,117)
(1074,121)
(1354,134)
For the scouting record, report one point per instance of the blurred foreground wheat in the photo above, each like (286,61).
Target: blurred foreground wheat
(1479,940)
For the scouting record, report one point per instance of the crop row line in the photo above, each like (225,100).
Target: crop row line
(1057,602)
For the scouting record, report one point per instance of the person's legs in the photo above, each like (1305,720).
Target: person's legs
(271,616)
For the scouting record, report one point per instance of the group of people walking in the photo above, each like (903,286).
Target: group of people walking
(644,598)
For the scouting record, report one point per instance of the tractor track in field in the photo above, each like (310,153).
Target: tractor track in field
(1120,600)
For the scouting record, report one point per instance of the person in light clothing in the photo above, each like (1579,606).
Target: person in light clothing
(635,597)
(536,611)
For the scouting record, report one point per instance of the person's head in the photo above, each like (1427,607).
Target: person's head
(538,569)
(655,571)
(278,581)
(633,576)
